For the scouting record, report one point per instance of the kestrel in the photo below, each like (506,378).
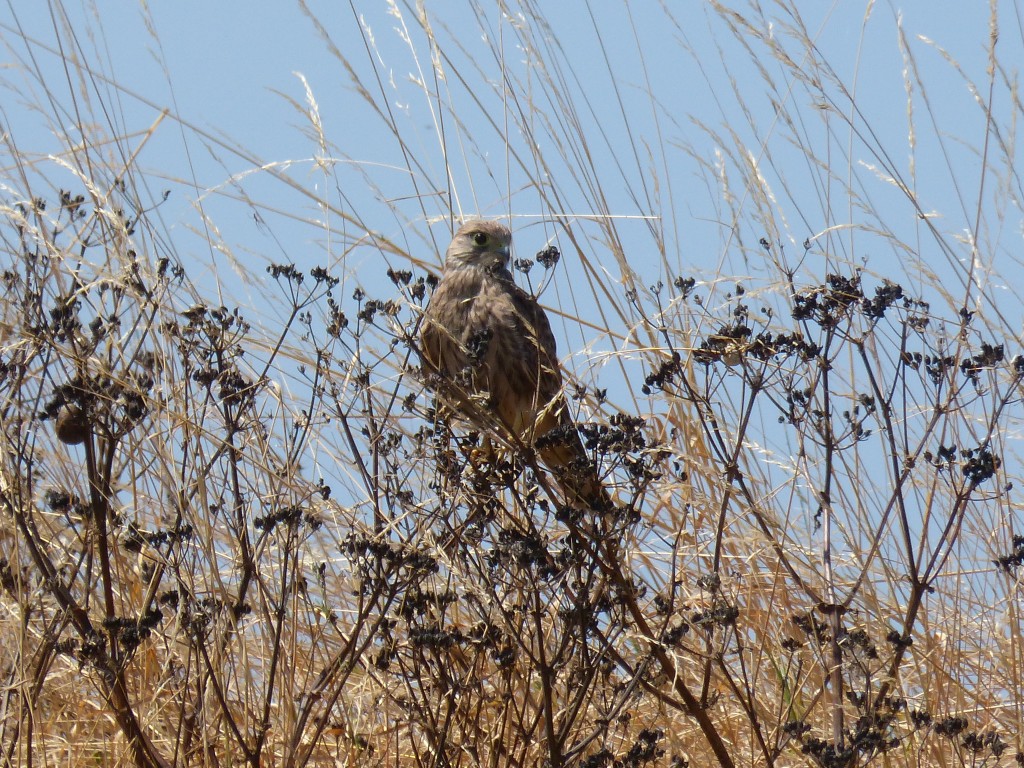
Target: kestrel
(489,349)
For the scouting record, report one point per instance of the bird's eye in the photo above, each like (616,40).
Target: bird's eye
(480,238)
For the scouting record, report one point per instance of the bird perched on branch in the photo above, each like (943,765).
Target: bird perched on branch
(489,351)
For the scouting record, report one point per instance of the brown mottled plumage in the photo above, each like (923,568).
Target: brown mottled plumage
(491,344)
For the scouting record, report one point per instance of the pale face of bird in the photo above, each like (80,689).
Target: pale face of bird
(485,244)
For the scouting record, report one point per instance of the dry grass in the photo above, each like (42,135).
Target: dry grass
(238,536)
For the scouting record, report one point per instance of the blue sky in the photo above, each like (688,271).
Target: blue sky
(229,69)
(657,103)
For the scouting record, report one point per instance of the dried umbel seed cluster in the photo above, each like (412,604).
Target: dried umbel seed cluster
(100,404)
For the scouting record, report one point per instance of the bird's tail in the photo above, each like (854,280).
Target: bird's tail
(563,453)
(584,489)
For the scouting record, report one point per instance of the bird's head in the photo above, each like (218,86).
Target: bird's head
(484,244)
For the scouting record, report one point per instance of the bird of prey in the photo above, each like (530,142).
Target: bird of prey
(489,352)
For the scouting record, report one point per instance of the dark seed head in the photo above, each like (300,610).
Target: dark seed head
(72,425)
